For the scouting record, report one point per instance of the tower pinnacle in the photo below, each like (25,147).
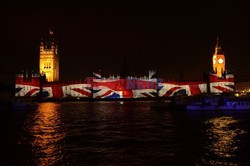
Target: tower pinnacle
(51,32)
(218,49)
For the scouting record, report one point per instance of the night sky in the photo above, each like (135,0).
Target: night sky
(167,37)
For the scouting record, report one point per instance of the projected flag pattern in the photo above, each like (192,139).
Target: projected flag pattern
(122,88)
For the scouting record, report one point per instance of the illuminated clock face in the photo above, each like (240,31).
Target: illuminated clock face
(220,61)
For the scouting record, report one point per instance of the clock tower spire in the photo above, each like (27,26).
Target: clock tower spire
(218,60)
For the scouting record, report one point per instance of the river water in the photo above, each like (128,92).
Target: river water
(112,133)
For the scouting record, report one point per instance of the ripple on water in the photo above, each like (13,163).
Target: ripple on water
(110,133)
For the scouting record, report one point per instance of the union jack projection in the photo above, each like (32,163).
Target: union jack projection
(27,87)
(109,89)
(77,90)
(221,85)
(124,88)
(112,88)
(168,89)
(31,88)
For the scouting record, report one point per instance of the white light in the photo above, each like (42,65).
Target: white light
(220,61)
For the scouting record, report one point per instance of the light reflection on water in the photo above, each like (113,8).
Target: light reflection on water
(47,133)
(110,133)
(223,136)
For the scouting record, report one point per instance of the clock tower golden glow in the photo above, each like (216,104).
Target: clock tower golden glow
(218,60)
(49,59)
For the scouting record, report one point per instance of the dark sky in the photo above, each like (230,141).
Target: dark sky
(162,36)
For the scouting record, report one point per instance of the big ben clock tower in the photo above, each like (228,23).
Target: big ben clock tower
(218,60)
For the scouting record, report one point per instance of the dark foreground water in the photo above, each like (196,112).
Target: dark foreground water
(110,133)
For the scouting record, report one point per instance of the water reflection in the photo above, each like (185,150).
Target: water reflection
(223,135)
(47,133)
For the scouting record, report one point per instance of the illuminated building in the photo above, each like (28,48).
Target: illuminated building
(98,87)
(218,60)
(49,59)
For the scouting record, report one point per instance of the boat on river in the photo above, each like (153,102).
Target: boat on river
(219,103)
